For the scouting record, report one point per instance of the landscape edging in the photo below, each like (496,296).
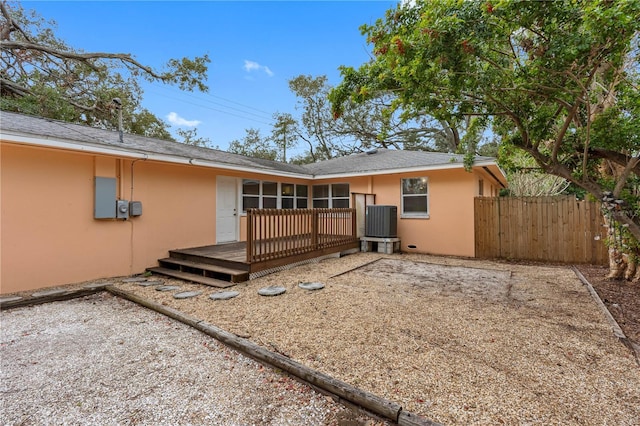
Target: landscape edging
(377,405)
(53,296)
(617,331)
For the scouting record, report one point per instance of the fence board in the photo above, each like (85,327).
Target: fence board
(551,229)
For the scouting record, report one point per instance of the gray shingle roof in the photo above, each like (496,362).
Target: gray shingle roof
(362,163)
(380,160)
(91,136)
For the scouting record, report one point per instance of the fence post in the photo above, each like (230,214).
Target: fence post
(354,225)
(250,237)
(314,228)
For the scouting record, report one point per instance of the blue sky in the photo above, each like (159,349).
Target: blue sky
(255,48)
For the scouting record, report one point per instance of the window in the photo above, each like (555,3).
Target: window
(302,194)
(273,195)
(331,196)
(481,188)
(250,194)
(415,197)
(340,195)
(293,196)
(320,196)
(269,195)
(287,194)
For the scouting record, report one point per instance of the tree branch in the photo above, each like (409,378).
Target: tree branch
(85,58)
(616,157)
(10,26)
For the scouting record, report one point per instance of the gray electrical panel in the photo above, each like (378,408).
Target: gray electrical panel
(105,198)
(122,209)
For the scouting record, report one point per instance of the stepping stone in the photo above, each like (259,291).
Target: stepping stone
(150,283)
(224,295)
(168,288)
(187,294)
(134,280)
(9,299)
(48,293)
(271,291)
(311,286)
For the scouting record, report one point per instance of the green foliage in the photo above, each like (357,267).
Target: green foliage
(285,134)
(254,145)
(190,137)
(556,79)
(42,75)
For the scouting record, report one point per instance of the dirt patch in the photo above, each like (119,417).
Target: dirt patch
(442,280)
(622,299)
(461,342)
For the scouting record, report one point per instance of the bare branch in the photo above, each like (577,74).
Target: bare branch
(86,58)
(10,26)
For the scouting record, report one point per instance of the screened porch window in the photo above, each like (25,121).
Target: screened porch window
(250,194)
(334,196)
(258,194)
(293,196)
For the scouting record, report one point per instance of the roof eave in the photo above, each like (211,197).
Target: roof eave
(398,170)
(27,139)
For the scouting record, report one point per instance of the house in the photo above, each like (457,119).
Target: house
(60,182)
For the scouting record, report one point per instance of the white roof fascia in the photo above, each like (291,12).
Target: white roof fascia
(26,139)
(445,166)
(94,149)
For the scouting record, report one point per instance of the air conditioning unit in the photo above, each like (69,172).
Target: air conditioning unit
(382,221)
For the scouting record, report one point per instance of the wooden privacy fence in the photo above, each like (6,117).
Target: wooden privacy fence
(276,237)
(553,229)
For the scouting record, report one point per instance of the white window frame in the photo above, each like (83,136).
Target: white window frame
(330,196)
(261,196)
(414,215)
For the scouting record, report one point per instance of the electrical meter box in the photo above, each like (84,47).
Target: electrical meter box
(122,209)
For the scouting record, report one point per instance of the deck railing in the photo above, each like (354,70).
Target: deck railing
(275,234)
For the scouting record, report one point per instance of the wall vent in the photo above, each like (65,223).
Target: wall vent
(382,221)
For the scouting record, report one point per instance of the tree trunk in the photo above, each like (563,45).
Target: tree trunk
(617,261)
(617,265)
(632,267)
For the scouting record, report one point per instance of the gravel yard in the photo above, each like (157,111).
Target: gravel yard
(101,360)
(458,341)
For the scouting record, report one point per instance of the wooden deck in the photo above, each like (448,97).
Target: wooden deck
(275,238)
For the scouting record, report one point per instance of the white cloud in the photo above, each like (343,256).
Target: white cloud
(254,66)
(175,119)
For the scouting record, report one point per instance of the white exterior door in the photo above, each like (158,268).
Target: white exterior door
(226,209)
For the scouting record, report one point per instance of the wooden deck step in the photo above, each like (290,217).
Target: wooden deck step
(235,259)
(187,276)
(205,269)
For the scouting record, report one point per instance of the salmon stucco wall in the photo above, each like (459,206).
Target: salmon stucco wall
(449,228)
(50,237)
(48,230)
